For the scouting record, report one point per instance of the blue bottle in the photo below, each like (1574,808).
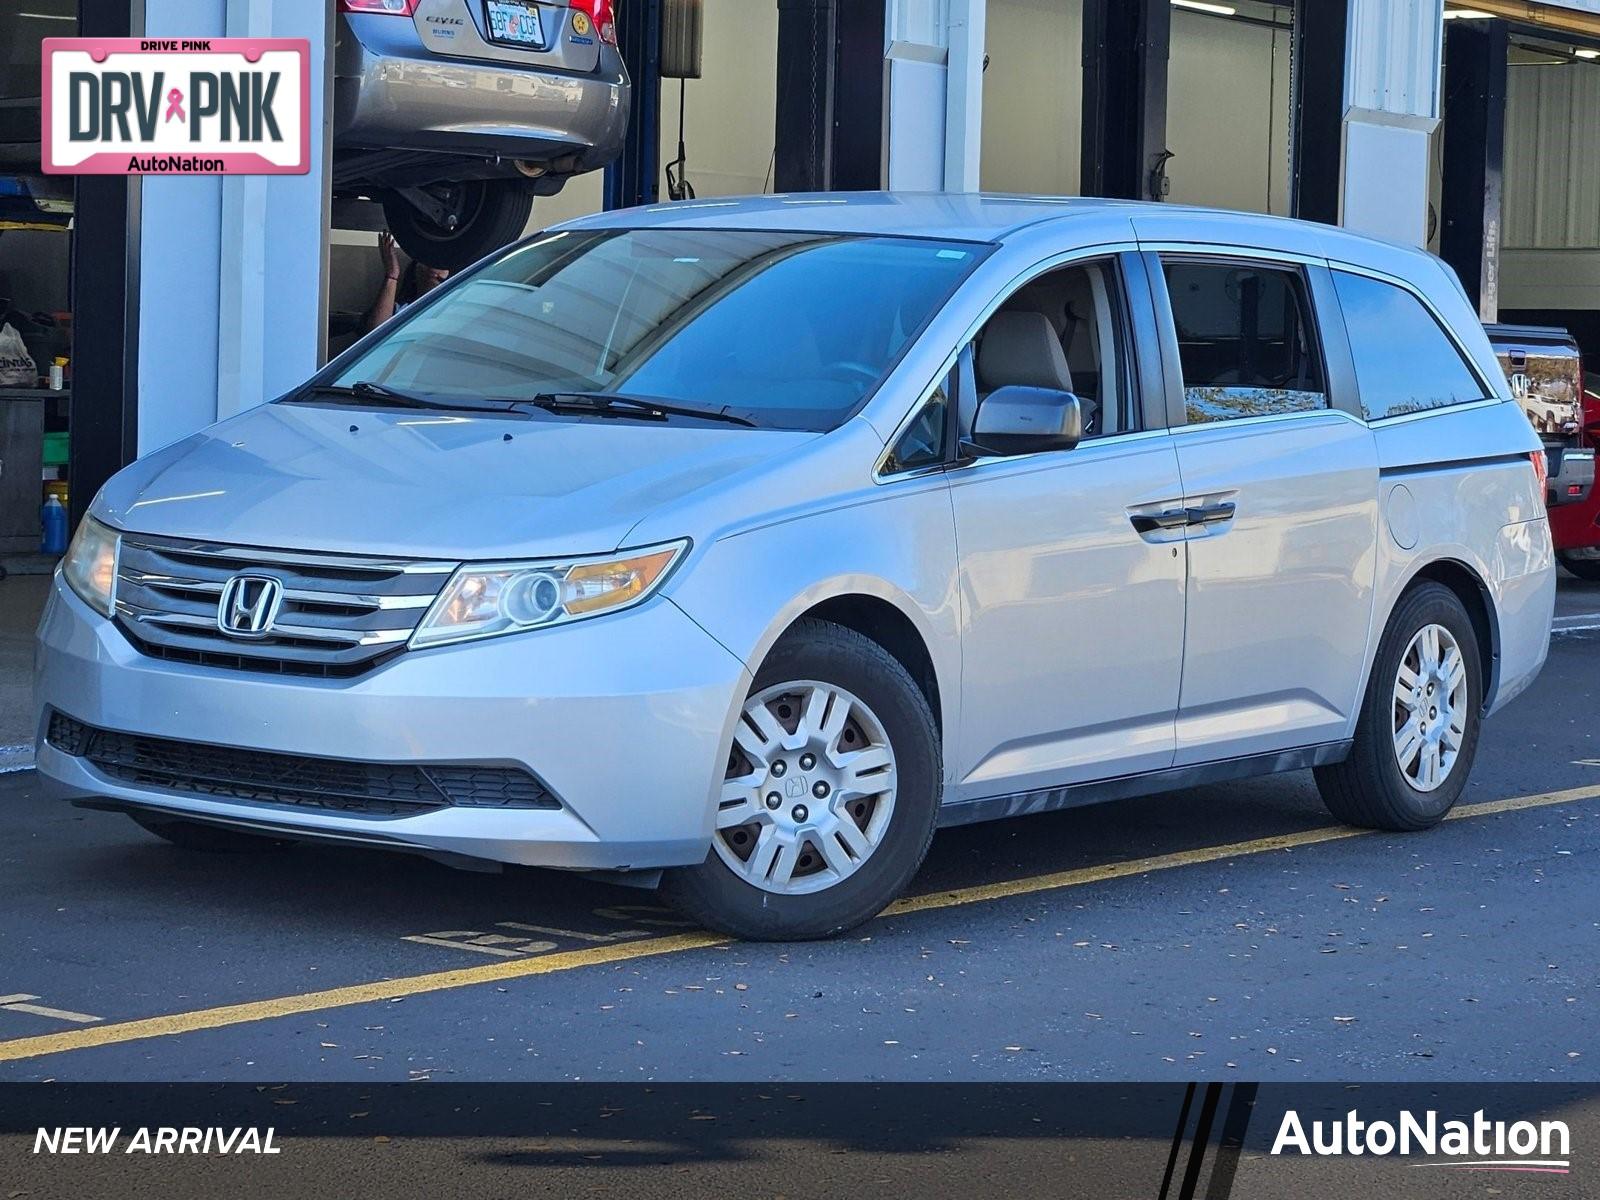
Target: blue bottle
(54,519)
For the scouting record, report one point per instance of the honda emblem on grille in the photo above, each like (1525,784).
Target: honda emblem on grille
(249,605)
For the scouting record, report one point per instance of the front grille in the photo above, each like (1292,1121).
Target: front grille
(340,615)
(293,780)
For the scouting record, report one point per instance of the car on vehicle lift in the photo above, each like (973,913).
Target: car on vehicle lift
(1545,369)
(455,114)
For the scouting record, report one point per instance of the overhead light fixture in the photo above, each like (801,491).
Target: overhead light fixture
(1586,54)
(1466,14)
(1216,10)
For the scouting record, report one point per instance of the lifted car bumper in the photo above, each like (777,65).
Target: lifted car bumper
(392,95)
(623,719)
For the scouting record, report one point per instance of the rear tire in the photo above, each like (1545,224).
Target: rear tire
(1417,733)
(874,763)
(1585,566)
(209,839)
(491,213)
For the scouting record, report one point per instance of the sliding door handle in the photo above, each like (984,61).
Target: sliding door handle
(1212,514)
(1175,518)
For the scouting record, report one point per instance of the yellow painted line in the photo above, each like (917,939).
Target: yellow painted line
(1205,854)
(593,956)
(340,997)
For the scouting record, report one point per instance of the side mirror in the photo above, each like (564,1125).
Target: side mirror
(1026,420)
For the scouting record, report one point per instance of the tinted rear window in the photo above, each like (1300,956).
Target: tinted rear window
(1405,362)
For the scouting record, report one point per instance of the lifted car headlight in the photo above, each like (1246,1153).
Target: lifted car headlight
(90,567)
(488,599)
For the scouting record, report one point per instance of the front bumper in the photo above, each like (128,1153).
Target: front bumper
(625,719)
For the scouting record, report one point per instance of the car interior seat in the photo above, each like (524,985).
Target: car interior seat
(1021,348)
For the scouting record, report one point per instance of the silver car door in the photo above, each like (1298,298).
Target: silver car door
(1281,481)
(1071,563)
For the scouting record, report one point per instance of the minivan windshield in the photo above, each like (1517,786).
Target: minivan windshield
(786,330)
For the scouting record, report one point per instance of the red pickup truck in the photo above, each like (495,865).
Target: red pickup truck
(1562,400)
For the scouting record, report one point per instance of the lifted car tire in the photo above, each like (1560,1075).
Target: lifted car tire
(886,711)
(1373,787)
(213,839)
(490,212)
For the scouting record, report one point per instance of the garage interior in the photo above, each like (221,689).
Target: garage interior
(1243,104)
(1514,180)
(729,115)
(1228,92)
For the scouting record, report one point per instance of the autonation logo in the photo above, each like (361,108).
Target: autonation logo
(1476,1145)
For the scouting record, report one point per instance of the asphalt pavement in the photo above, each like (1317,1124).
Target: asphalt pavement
(1223,932)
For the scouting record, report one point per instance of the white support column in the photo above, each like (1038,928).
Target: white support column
(963,110)
(242,276)
(1391,110)
(934,95)
(232,269)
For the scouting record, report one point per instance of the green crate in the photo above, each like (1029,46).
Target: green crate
(55,449)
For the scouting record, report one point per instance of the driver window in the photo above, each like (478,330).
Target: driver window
(1063,330)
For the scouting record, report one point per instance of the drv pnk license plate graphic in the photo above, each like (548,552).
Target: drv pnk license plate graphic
(168,106)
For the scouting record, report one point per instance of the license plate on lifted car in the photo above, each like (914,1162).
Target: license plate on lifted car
(515,22)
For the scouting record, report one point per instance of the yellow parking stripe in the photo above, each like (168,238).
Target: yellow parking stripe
(438,981)
(340,997)
(1204,854)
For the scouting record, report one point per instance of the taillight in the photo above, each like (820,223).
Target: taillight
(1541,471)
(603,14)
(400,8)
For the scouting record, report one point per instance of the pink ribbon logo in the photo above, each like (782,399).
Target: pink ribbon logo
(174,106)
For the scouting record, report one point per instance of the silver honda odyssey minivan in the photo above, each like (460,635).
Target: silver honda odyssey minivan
(739,545)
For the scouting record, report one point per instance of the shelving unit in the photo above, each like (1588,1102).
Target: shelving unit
(22,424)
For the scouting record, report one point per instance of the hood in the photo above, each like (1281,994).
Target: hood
(426,484)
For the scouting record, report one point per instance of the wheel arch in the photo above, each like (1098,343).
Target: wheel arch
(890,627)
(920,640)
(1476,597)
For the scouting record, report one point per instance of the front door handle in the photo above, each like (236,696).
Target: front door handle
(1212,514)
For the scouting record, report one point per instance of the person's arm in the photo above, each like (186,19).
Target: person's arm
(383,303)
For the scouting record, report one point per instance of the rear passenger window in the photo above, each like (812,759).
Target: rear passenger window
(1404,361)
(1245,340)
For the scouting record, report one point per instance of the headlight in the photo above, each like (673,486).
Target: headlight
(90,567)
(487,599)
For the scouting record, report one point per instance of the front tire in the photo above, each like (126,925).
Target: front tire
(209,839)
(1417,733)
(830,796)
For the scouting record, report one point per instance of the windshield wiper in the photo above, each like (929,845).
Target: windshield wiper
(602,403)
(644,406)
(366,389)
